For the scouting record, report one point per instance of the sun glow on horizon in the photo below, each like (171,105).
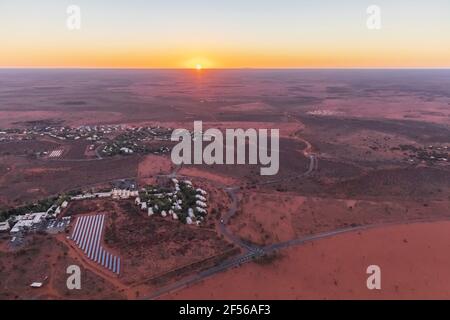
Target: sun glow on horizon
(198,63)
(225,35)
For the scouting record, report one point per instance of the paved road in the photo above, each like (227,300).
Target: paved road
(223,225)
(250,251)
(245,258)
(250,256)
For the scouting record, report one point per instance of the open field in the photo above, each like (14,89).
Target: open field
(151,166)
(46,260)
(27,180)
(411,257)
(265,219)
(356,150)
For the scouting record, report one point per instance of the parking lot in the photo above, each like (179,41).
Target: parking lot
(57,226)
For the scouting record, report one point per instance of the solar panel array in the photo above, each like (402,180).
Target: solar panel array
(87,236)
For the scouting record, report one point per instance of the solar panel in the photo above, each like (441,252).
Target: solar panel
(103,257)
(75,230)
(87,235)
(107,260)
(86,232)
(79,231)
(96,249)
(91,234)
(94,237)
(110,261)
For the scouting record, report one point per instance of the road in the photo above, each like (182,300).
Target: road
(248,257)
(224,221)
(249,251)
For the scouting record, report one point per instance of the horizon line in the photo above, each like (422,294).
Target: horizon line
(218,69)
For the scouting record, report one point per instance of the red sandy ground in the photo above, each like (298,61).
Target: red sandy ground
(24,175)
(413,260)
(358,146)
(287,128)
(248,107)
(149,246)
(266,218)
(399,108)
(8,118)
(46,259)
(152,165)
(202,174)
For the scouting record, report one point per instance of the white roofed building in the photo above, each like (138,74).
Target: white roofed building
(4,226)
(201,204)
(28,221)
(201,198)
(36,285)
(134,193)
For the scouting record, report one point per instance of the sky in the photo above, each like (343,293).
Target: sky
(225,34)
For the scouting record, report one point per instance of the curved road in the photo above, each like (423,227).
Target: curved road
(250,251)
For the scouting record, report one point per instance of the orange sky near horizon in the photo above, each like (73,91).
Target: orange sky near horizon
(125,57)
(231,34)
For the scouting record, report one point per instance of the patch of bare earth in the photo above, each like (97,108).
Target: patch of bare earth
(153,165)
(266,218)
(45,259)
(412,260)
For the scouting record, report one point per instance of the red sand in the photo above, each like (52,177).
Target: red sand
(8,118)
(197,173)
(413,258)
(248,107)
(152,165)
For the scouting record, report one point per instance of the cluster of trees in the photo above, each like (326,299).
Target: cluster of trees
(187,195)
(129,141)
(40,206)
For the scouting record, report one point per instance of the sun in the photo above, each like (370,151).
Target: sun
(197,63)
